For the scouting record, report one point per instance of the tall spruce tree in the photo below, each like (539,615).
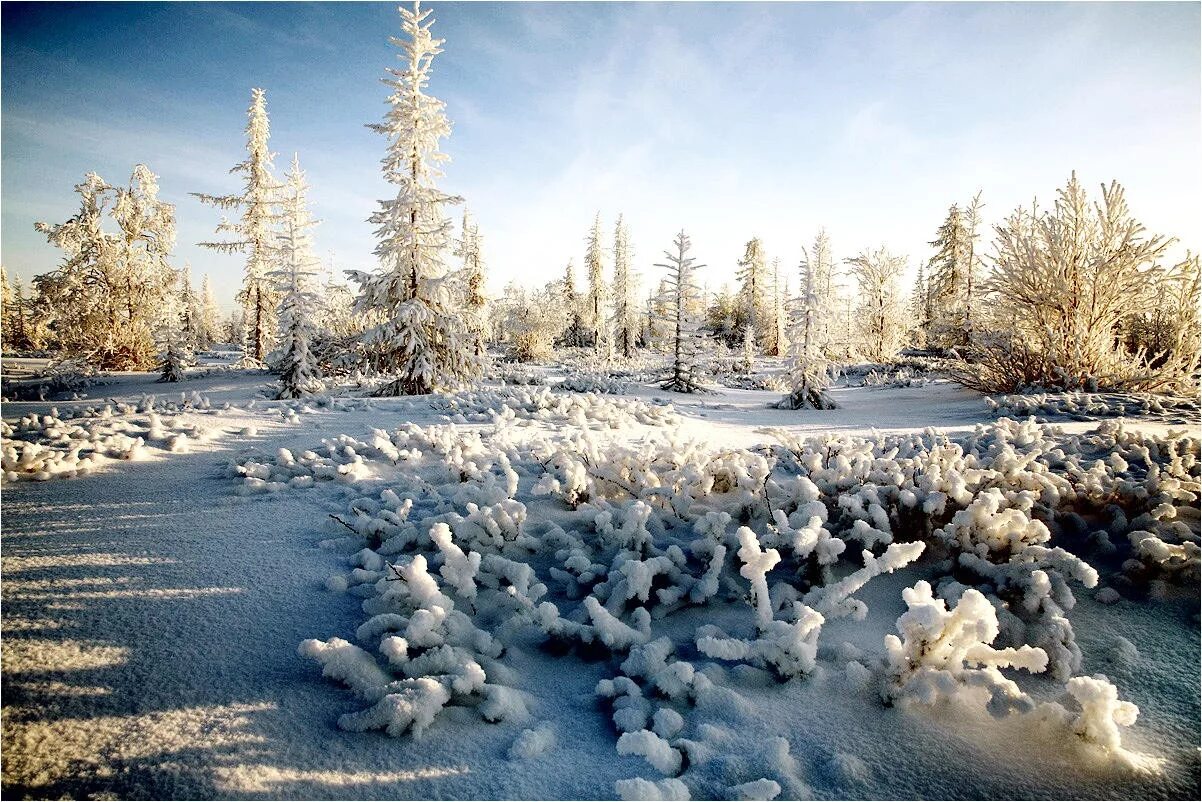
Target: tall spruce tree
(210,316)
(295,282)
(473,279)
(752,276)
(596,317)
(574,330)
(253,232)
(626,314)
(776,342)
(419,339)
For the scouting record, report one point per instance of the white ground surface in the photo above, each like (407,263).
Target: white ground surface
(151,621)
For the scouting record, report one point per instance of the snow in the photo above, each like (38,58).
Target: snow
(532,743)
(167,637)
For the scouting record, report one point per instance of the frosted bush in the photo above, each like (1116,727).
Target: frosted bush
(536,522)
(593,383)
(652,748)
(42,447)
(942,652)
(1093,406)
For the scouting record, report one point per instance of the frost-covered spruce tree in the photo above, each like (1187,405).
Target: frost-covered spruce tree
(234,329)
(170,337)
(191,309)
(419,338)
(574,329)
(752,277)
(680,291)
(952,282)
(626,313)
(475,302)
(595,307)
(947,277)
(210,316)
(807,370)
(749,348)
(920,307)
(972,222)
(777,342)
(7,310)
(881,317)
(822,261)
(295,278)
(252,232)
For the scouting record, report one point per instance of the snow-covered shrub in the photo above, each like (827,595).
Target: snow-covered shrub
(40,447)
(1065,280)
(943,651)
(512,374)
(566,532)
(1093,406)
(637,788)
(593,383)
(897,377)
(61,376)
(755,381)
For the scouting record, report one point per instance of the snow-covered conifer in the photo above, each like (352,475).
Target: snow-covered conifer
(6,289)
(190,304)
(721,317)
(170,332)
(881,318)
(475,302)
(807,370)
(777,342)
(920,308)
(209,328)
(659,311)
(574,333)
(749,348)
(252,232)
(235,327)
(680,292)
(295,278)
(419,338)
(822,261)
(753,287)
(596,314)
(972,223)
(947,280)
(12,313)
(625,319)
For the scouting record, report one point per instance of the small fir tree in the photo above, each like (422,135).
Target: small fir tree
(680,292)
(295,278)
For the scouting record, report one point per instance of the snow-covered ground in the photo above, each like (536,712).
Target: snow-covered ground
(169,609)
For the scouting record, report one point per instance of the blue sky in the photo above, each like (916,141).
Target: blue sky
(732,120)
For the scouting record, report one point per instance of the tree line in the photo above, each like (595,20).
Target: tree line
(1077,296)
